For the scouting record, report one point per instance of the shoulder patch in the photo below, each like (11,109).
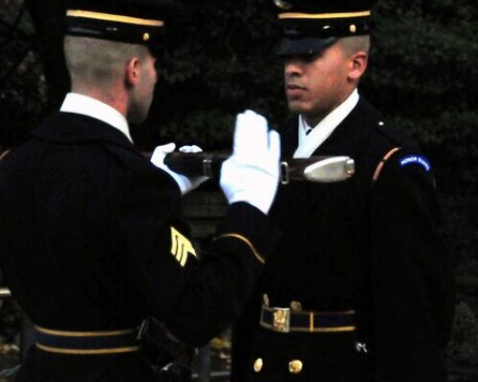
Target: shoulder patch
(419,160)
(181,247)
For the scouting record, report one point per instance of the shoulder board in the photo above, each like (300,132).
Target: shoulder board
(397,136)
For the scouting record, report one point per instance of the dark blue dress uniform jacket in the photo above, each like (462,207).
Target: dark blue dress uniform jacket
(91,239)
(363,245)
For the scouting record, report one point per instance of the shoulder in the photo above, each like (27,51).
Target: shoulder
(398,155)
(383,136)
(389,149)
(139,181)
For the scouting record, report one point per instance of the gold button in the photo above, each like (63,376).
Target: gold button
(146,37)
(296,306)
(353,28)
(258,365)
(295,366)
(265,298)
(282,4)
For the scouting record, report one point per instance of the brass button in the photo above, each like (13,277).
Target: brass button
(282,4)
(296,306)
(265,298)
(258,365)
(353,28)
(146,37)
(295,366)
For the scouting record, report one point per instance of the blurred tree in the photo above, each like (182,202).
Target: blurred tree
(22,84)
(220,60)
(425,78)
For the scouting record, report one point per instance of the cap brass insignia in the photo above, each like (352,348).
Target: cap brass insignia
(282,4)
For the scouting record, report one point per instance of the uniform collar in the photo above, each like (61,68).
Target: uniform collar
(84,105)
(309,143)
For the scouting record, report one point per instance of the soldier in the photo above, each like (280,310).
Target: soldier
(360,286)
(91,236)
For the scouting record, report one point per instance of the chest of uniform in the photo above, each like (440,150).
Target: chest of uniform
(318,259)
(313,210)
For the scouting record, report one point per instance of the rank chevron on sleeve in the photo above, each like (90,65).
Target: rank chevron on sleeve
(181,247)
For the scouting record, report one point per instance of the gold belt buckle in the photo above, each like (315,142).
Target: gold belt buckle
(281,322)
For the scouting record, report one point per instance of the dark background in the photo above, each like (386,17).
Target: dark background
(220,60)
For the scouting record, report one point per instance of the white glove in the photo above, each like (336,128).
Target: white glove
(190,149)
(185,184)
(251,174)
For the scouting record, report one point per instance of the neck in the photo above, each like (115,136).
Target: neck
(113,98)
(314,120)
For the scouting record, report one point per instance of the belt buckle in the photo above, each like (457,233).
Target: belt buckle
(281,320)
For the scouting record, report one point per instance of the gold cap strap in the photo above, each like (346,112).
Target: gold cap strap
(323,16)
(114,18)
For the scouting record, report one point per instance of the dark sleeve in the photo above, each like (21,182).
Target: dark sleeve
(412,273)
(195,298)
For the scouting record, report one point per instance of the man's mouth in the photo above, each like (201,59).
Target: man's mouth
(294,90)
(294,87)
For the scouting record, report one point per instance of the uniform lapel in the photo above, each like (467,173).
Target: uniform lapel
(299,199)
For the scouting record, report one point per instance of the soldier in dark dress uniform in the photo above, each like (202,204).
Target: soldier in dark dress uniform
(91,235)
(360,287)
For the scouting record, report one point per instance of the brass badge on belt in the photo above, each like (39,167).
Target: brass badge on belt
(281,320)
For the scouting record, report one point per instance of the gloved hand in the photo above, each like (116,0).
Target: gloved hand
(251,174)
(190,149)
(185,183)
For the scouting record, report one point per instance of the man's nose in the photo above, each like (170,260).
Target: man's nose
(293,67)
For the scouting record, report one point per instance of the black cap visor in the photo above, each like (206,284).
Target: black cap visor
(304,46)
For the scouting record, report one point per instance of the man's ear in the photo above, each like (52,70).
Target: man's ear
(358,65)
(132,72)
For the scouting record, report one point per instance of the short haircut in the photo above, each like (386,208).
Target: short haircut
(96,62)
(354,44)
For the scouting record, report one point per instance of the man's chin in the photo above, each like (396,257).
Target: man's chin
(137,118)
(296,108)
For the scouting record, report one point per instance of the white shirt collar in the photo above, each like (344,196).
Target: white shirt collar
(84,105)
(309,143)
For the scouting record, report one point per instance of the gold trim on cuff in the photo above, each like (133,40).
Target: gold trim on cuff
(245,240)
(84,334)
(87,352)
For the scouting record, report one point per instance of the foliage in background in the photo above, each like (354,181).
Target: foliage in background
(463,349)
(426,78)
(22,84)
(220,61)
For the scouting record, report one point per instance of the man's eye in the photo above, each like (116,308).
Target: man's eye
(310,57)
